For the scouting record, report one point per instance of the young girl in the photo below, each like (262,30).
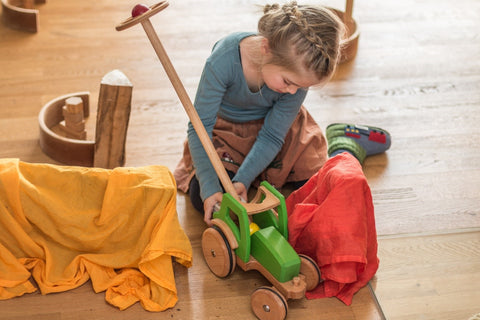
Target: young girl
(250,99)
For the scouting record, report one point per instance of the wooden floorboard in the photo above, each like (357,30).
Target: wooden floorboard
(416,74)
(429,277)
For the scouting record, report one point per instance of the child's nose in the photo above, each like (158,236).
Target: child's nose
(292,89)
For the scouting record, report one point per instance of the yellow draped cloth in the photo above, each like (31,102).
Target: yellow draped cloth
(64,225)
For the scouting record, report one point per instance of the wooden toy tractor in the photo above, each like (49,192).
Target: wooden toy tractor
(256,239)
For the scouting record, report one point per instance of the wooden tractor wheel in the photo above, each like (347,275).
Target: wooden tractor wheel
(269,304)
(217,252)
(311,271)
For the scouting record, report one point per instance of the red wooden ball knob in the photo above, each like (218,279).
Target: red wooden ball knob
(139,9)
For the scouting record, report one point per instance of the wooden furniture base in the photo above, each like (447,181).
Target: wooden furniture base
(20,14)
(349,50)
(64,150)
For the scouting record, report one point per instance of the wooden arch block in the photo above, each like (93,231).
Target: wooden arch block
(59,148)
(20,15)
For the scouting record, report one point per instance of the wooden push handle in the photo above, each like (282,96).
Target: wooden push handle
(264,200)
(181,92)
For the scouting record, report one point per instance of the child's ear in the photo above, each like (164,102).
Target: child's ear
(265,47)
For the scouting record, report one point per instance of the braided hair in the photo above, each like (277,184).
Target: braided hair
(311,34)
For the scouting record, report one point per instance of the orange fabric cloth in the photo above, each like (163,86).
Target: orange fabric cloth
(64,225)
(331,219)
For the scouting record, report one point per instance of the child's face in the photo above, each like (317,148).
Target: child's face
(282,80)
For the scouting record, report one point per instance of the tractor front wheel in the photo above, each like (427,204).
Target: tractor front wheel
(269,304)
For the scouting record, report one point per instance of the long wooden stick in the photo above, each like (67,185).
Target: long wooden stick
(189,108)
(181,92)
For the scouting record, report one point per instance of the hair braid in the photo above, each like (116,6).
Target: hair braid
(313,32)
(300,21)
(270,7)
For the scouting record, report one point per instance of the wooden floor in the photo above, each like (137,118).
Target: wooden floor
(417,74)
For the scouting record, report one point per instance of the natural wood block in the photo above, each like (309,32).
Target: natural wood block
(74,105)
(71,117)
(75,126)
(72,133)
(78,136)
(113,114)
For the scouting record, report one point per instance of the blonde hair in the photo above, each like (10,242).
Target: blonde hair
(309,34)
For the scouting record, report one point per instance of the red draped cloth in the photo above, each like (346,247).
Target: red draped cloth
(331,219)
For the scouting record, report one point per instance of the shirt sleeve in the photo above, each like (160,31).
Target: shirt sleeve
(208,98)
(271,137)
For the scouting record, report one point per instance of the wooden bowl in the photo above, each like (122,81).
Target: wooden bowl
(62,149)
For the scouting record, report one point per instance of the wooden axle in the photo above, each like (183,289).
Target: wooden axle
(293,289)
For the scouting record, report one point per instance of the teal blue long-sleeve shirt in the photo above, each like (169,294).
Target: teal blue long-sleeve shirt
(223,91)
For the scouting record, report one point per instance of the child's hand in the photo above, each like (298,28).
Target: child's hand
(241,190)
(209,206)
(216,198)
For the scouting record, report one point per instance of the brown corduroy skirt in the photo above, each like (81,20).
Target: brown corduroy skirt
(304,151)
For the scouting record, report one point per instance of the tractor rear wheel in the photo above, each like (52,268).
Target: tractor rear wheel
(311,271)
